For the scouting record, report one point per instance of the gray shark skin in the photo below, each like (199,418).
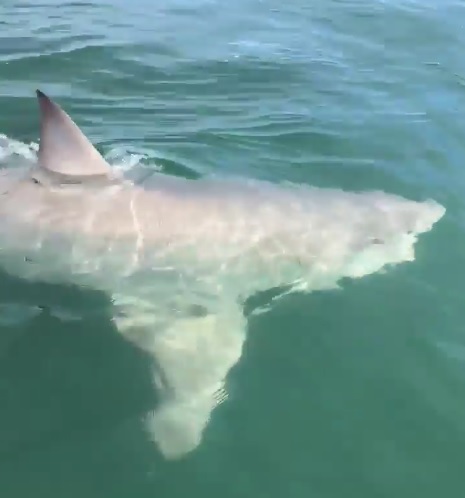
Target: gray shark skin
(178,260)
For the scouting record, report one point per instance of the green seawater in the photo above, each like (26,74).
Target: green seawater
(351,393)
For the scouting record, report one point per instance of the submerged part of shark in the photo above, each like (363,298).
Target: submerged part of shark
(179,259)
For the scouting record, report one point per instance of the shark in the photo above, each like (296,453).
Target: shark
(179,258)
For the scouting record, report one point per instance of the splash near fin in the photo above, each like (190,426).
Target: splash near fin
(64,150)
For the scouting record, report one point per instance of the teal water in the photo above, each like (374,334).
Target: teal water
(358,392)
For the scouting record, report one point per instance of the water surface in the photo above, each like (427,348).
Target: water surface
(349,393)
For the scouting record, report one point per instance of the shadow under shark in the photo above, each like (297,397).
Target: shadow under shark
(180,260)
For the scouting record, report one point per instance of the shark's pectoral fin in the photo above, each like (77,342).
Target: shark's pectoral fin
(192,357)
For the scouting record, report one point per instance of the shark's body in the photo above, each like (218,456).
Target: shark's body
(179,259)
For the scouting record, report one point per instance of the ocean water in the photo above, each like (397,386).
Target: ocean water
(355,392)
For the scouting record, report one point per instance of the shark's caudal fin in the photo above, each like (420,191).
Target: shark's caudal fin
(64,150)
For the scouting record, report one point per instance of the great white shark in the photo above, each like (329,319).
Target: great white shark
(179,259)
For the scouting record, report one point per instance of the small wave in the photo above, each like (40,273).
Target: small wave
(119,157)
(10,148)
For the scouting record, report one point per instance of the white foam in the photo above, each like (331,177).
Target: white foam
(121,158)
(10,148)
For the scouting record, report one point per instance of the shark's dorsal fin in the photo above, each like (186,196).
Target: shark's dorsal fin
(64,150)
